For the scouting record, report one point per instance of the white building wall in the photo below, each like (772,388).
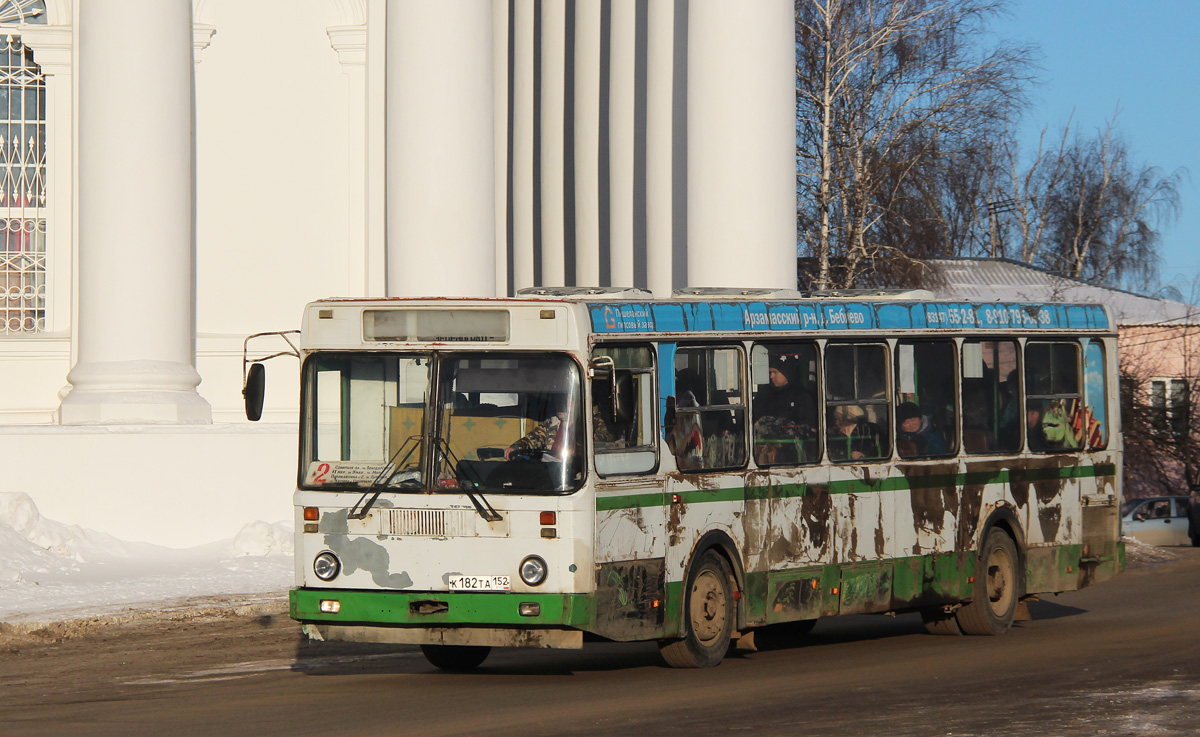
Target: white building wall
(290,132)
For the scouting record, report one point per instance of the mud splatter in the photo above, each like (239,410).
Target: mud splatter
(816,507)
(1050,518)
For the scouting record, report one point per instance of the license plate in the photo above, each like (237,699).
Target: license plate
(479,583)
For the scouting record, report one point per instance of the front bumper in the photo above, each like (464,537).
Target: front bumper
(449,618)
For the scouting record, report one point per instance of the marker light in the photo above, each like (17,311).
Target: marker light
(547,518)
(533,570)
(311,514)
(327,566)
(331,606)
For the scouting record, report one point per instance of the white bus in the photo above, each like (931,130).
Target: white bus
(580,464)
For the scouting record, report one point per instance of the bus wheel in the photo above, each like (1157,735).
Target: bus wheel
(997,588)
(938,622)
(455,657)
(709,612)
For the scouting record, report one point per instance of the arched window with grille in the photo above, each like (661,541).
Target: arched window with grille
(22,174)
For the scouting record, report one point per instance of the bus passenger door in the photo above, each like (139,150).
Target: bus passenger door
(630,544)
(859,447)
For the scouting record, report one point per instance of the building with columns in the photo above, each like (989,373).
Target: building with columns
(180,174)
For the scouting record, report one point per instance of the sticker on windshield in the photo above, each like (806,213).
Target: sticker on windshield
(348,472)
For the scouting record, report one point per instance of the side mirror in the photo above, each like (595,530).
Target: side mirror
(254,391)
(622,397)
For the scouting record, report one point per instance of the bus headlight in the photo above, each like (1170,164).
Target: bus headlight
(327,566)
(533,570)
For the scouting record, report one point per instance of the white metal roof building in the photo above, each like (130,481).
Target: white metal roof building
(1003,280)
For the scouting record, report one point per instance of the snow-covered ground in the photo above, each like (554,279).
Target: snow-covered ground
(52,572)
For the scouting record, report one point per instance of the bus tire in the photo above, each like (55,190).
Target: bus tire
(456,657)
(708,612)
(939,622)
(997,588)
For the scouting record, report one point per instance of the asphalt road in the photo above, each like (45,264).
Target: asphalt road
(1120,658)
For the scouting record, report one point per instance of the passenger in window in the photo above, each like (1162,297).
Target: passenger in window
(1033,429)
(1010,413)
(916,436)
(1058,428)
(685,438)
(784,411)
(851,436)
(605,435)
(783,398)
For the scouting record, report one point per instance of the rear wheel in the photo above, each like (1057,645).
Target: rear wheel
(709,614)
(997,588)
(456,657)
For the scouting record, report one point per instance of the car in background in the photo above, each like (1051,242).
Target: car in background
(1160,520)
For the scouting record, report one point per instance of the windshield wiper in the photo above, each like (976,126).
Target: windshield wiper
(485,510)
(390,469)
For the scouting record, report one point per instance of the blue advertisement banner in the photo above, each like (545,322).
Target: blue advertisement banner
(704,317)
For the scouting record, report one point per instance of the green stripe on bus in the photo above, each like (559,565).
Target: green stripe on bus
(860,486)
(605,503)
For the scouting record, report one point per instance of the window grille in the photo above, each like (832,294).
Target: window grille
(22,182)
(32,12)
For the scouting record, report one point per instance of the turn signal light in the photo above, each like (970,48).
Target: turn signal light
(548,518)
(311,514)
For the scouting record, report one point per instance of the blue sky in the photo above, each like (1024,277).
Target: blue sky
(1143,57)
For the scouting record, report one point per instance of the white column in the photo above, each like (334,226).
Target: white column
(553,106)
(620,135)
(136,223)
(440,196)
(522,144)
(587,142)
(350,43)
(660,21)
(500,137)
(741,141)
(376,145)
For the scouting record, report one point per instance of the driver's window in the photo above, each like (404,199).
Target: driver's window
(624,447)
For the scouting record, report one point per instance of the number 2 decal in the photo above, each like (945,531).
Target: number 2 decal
(322,470)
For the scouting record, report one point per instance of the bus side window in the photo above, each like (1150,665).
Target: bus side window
(1095,415)
(1053,403)
(991,397)
(709,429)
(784,402)
(856,402)
(630,447)
(926,419)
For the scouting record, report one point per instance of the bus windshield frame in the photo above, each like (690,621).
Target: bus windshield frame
(429,421)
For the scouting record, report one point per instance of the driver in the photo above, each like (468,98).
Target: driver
(546,435)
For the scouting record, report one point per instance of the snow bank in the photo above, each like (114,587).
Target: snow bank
(262,539)
(50,570)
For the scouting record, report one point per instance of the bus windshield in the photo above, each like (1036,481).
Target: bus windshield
(510,422)
(503,423)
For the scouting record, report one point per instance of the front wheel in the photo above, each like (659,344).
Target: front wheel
(997,588)
(456,657)
(709,614)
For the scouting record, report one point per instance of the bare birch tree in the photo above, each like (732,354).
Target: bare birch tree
(883,86)
(1083,210)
